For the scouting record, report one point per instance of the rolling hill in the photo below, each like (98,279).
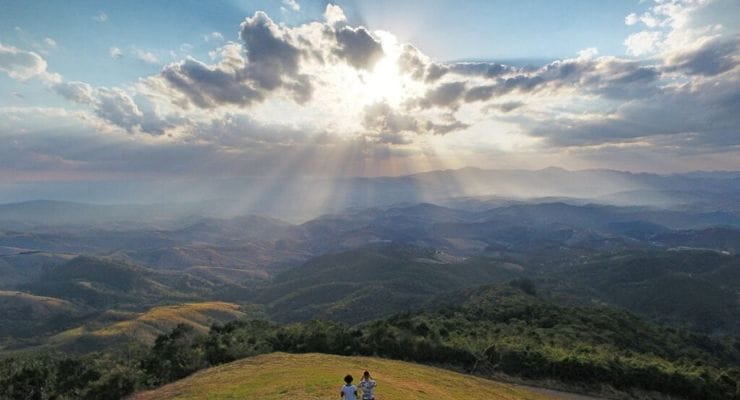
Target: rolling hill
(25,315)
(102,283)
(373,281)
(319,376)
(146,326)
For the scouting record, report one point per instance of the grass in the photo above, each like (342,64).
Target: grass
(42,302)
(161,319)
(319,376)
(146,326)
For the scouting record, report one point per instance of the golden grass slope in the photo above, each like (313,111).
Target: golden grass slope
(319,376)
(147,326)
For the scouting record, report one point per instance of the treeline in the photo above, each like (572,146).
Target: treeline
(494,330)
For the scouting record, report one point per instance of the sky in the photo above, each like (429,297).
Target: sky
(131,90)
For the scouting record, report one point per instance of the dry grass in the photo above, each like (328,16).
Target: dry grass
(319,376)
(147,326)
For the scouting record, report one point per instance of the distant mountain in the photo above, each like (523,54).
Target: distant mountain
(303,198)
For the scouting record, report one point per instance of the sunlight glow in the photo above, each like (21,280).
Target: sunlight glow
(384,83)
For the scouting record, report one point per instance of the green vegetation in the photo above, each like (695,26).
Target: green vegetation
(693,289)
(372,282)
(489,331)
(103,283)
(318,376)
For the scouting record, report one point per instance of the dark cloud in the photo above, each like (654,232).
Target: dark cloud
(271,54)
(445,95)
(713,57)
(208,87)
(481,69)
(388,124)
(445,128)
(707,113)
(410,62)
(506,106)
(480,93)
(611,77)
(358,47)
(384,119)
(269,60)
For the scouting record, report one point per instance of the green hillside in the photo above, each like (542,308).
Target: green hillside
(372,282)
(692,289)
(319,376)
(104,283)
(24,314)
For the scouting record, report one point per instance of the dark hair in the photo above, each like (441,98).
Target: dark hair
(348,378)
(366,373)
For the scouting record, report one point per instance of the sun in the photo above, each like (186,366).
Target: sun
(384,83)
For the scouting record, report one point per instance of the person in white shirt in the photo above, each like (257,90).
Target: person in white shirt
(368,386)
(348,390)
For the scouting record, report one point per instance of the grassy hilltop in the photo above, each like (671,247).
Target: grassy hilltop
(319,376)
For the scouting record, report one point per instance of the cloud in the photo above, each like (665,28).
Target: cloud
(646,18)
(506,106)
(704,111)
(100,17)
(145,56)
(207,87)
(79,92)
(272,60)
(292,4)
(268,61)
(50,43)
(115,106)
(280,88)
(115,53)
(358,47)
(272,55)
(643,43)
(389,125)
(708,57)
(24,65)
(334,15)
(446,95)
(213,36)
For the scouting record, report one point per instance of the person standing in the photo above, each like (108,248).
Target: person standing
(367,385)
(348,391)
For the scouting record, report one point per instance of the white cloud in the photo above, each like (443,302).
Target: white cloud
(334,14)
(24,65)
(213,36)
(292,4)
(646,18)
(115,53)
(143,55)
(100,17)
(643,43)
(631,19)
(50,43)
(280,86)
